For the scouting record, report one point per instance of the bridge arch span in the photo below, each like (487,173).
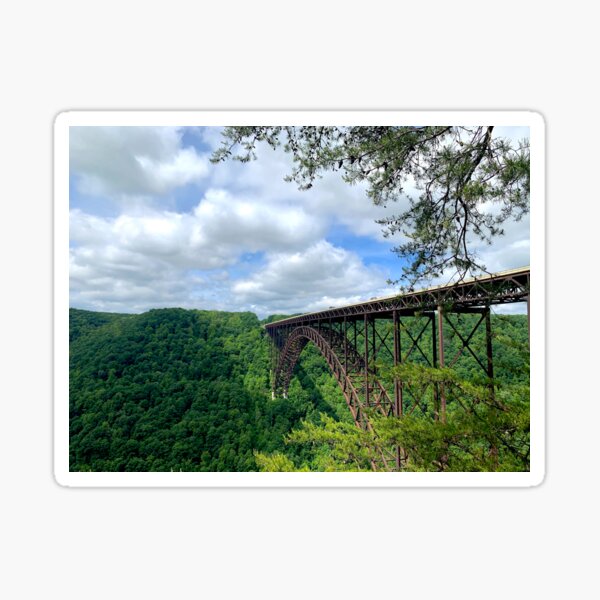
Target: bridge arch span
(348,372)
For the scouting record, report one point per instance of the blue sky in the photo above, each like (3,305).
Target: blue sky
(155,224)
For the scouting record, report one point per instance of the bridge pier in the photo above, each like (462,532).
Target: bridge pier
(366,359)
(442,360)
(398,402)
(528,324)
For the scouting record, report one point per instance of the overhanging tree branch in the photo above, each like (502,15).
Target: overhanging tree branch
(460,172)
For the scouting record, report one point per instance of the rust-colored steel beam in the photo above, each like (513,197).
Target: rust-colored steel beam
(436,394)
(442,360)
(397,358)
(345,345)
(366,359)
(465,342)
(500,288)
(528,324)
(488,349)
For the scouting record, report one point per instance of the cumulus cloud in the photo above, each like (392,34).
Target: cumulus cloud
(219,229)
(508,251)
(133,161)
(331,198)
(508,256)
(313,279)
(149,256)
(228,220)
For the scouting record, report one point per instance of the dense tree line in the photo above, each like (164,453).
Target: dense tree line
(175,389)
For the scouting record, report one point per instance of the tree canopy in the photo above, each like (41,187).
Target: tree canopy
(175,389)
(469,182)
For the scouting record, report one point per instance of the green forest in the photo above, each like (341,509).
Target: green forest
(190,390)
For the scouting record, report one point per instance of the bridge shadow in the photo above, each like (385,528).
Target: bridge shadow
(307,382)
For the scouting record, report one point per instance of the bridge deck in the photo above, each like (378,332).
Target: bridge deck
(498,288)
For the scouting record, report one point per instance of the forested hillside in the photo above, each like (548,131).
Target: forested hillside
(175,389)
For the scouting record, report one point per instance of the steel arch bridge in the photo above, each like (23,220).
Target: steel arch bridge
(401,329)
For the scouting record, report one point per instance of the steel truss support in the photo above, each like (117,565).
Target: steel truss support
(385,341)
(356,339)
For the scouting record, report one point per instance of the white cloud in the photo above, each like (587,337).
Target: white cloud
(149,257)
(314,279)
(133,161)
(220,228)
(145,257)
(330,198)
(228,220)
(510,255)
(508,251)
